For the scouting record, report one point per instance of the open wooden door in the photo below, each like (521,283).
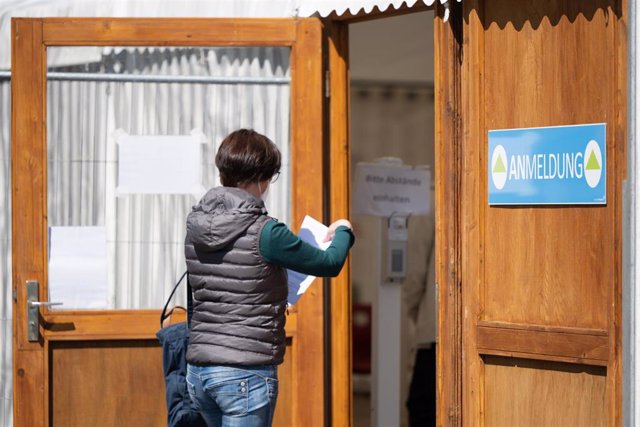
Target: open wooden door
(541,285)
(103,367)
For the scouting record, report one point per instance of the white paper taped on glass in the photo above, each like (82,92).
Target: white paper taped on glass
(385,190)
(78,267)
(160,164)
(313,232)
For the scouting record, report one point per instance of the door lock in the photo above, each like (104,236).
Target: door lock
(32,309)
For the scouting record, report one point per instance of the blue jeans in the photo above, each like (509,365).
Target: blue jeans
(234,396)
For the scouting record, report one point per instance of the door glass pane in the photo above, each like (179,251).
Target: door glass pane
(117,204)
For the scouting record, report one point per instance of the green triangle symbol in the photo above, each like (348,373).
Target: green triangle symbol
(592,163)
(499,166)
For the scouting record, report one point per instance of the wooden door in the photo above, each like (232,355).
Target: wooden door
(541,285)
(103,367)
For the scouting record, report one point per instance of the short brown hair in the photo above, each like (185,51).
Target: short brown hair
(246,156)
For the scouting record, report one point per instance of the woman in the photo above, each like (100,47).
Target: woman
(237,258)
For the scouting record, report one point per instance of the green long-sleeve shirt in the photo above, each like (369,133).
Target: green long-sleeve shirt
(279,246)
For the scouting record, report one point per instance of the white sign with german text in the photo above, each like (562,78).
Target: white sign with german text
(386,190)
(160,164)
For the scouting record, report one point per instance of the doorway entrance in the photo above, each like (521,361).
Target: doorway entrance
(529,300)
(392,118)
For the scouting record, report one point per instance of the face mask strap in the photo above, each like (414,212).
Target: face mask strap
(263,195)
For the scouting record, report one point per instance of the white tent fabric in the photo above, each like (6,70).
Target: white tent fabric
(6,387)
(340,7)
(181,8)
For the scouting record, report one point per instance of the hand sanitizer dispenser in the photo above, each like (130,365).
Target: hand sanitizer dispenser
(397,236)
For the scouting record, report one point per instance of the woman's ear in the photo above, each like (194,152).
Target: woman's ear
(263,186)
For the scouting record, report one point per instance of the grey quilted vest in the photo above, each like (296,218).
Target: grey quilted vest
(239,300)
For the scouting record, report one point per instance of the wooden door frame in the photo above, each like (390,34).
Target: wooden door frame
(339,177)
(31,37)
(448,172)
(449,136)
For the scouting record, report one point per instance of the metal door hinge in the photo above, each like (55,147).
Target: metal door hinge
(32,311)
(327,80)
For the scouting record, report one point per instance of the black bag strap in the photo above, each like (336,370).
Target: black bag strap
(164,315)
(189,302)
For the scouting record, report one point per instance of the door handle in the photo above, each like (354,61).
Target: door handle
(42,303)
(33,306)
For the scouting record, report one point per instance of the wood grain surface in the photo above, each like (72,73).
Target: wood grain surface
(448,145)
(339,177)
(541,282)
(543,393)
(307,164)
(168,32)
(28,177)
(56,380)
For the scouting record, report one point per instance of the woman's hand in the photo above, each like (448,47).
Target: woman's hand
(333,227)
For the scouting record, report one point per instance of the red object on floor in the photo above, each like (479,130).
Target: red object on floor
(361,338)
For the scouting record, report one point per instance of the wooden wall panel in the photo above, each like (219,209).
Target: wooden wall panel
(547,394)
(541,282)
(583,346)
(94,383)
(540,71)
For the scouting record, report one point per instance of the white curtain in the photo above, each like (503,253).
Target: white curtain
(6,375)
(145,232)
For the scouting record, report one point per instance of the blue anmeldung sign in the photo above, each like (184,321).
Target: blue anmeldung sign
(548,166)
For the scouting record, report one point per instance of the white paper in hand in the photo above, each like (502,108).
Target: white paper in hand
(313,232)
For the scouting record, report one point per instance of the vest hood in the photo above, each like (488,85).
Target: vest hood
(221,216)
